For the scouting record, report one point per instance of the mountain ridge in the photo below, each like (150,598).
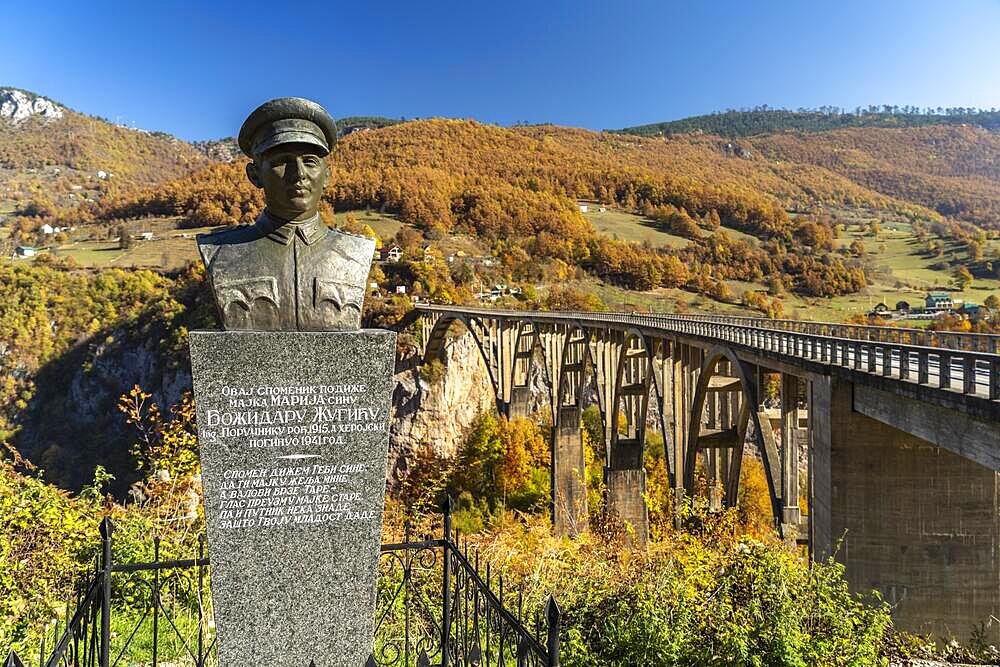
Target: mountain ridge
(737,124)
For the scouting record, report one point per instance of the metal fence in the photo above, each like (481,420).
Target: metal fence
(434,607)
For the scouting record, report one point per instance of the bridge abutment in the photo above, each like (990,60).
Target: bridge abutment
(919,523)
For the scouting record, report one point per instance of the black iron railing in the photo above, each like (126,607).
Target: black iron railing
(434,607)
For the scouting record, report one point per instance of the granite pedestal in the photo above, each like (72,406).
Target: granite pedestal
(293,431)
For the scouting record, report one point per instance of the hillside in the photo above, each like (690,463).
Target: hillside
(749,182)
(953,170)
(734,124)
(721,218)
(516,190)
(349,124)
(57,158)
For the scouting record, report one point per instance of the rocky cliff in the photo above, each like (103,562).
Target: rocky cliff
(437,414)
(17,105)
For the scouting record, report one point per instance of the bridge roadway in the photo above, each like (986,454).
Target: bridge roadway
(891,434)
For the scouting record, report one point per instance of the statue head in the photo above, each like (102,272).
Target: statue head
(288,140)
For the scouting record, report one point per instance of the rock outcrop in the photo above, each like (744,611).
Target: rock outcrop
(437,415)
(17,105)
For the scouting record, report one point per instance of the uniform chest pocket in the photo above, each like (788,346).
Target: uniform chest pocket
(341,296)
(245,292)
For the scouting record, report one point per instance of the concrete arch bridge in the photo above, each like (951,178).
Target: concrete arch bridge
(896,433)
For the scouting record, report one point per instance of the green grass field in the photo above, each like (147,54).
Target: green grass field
(384,225)
(625,226)
(170,249)
(630,227)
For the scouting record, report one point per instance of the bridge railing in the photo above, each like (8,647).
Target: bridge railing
(956,340)
(966,364)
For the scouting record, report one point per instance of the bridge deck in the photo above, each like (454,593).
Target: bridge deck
(955,370)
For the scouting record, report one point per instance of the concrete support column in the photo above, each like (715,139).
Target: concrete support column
(626,500)
(569,481)
(820,490)
(919,523)
(791,514)
(678,438)
(520,403)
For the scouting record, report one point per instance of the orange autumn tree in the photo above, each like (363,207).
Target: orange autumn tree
(503,464)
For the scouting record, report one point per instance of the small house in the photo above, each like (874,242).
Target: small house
(146,236)
(393,254)
(903,306)
(974,312)
(939,301)
(47,229)
(400,289)
(584,208)
(25,251)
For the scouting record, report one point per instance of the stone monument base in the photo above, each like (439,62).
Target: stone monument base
(293,433)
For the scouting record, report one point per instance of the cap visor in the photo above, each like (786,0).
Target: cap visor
(290,137)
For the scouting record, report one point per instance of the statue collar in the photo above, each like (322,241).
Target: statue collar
(282,231)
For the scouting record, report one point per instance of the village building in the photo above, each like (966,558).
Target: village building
(393,254)
(939,301)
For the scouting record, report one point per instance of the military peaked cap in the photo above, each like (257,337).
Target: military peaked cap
(287,120)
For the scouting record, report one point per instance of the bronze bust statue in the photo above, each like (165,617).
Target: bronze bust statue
(288,271)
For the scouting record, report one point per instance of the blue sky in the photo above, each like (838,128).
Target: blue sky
(196,69)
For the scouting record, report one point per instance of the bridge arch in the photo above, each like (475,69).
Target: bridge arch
(734,438)
(632,380)
(507,347)
(435,346)
(574,357)
(525,343)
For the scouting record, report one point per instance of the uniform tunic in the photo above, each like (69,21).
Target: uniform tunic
(287,276)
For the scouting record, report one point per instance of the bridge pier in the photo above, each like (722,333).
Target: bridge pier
(791,515)
(919,523)
(569,481)
(626,499)
(519,406)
